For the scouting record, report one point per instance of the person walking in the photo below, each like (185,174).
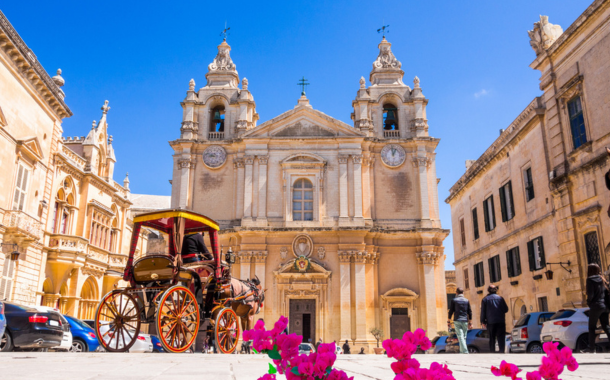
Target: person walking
(598,297)
(346,348)
(318,344)
(493,310)
(462,318)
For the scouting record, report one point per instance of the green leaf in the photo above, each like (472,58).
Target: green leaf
(256,352)
(272,369)
(328,370)
(273,354)
(295,370)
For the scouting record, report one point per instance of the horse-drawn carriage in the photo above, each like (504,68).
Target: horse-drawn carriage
(175,299)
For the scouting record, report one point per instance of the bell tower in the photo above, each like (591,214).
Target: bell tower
(220,110)
(388,108)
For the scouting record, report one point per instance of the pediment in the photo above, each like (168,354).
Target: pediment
(31,147)
(288,269)
(400,292)
(303,122)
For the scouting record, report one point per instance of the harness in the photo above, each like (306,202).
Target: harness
(251,294)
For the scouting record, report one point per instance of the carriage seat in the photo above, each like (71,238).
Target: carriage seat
(159,268)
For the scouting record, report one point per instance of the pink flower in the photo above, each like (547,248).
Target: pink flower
(267,376)
(288,345)
(533,376)
(336,374)
(306,368)
(326,347)
(398,349)
(506,369)
(572,364)
(550,369)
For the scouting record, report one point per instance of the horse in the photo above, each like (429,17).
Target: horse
(249,296)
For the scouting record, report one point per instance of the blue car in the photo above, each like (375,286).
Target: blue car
(157,346)
(83,336)
(2,321)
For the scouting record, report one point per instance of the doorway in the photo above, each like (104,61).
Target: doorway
(399,322)
(302,319)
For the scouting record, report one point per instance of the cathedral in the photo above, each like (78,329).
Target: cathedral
(339,222)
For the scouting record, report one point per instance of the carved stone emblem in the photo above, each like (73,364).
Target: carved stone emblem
(386,59)
(544,34)
(214,156)
(302,246)
(223,59)
(321,252)
(283,253)
(393,155)
(302,264)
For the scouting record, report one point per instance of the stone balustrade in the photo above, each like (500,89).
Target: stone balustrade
(98,254)
(69,243)
(73,157)
(22,225)
(391,133)
(117,261)
(216,135)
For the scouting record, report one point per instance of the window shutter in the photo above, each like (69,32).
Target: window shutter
(542,256)
(498,268)
(482,274)
(530,254)
(492,223)
(503,204)
(490,264)
(509,263)
(510,196)
(517,263)
(475,223)
(485,215)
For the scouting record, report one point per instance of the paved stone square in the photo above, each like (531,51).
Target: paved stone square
(66,366)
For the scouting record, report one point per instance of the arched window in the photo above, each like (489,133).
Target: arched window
(302,200)
(217,123)
(390,117)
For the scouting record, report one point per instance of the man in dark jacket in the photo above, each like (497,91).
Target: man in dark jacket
(462,317)
(194,249)
(493,310)
(346,349)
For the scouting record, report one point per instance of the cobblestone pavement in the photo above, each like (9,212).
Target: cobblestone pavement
(66,366)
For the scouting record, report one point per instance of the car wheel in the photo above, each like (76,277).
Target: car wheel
(6,344)
(582,343)
(535,348)
(473,350)
(78,346)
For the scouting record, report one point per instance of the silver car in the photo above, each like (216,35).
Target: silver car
(526,333)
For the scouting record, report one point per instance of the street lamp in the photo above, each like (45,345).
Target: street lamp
(15,254)
(549,273)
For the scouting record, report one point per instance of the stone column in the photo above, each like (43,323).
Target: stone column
(427,261)
(343,205)
(184,166)
(238,166)
(260,259)
(262,188)
(360,296)
(245,259)
(248,160)
(421,163)
(357,159)
(345,292)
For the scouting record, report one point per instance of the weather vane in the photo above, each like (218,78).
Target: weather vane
(225,32)
(383,31)
(303,82)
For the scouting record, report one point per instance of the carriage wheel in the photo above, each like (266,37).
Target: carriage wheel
(177,319)
(117,321)
(226,331)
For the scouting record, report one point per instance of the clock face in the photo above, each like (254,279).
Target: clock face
(393,155)
(214,156)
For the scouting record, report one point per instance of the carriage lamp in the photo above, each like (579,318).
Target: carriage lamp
(549,273)
(230,256)
(15,254)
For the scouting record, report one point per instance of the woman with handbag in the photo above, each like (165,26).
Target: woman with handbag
(598,296)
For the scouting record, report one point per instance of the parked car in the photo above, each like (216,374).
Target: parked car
(569,327)
(2,320)
(83,336)
(438,345)
(66,341)
(306,348)
(90,322)
(477,341)
(142,344)
(157,346)
(28,328)
(526,333)
(338,350)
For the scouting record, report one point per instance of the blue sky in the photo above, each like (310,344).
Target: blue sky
(472,58)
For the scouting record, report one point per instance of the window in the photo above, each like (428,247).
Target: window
(592,247)
(466,281)
(99,230)
(390,117)
(543,304)
(463,232)
(6,281)
(302,200)
(217,123)
(64,221)
(535,251)
(21,188)
(475,223)
(479,275)
(544,317)
(577,122)
(489,213)
(529,184)
(506,202)
(495,273)
(513,262)
(55,212)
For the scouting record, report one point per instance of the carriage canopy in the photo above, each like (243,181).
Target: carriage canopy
(176,223)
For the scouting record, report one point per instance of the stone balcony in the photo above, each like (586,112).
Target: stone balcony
(69,243)
(391,134)
(216,135)
(21,228)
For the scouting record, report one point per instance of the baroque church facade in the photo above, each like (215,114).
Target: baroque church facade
(339,222)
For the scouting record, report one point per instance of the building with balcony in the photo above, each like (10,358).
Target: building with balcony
(530,214)
(340,222)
